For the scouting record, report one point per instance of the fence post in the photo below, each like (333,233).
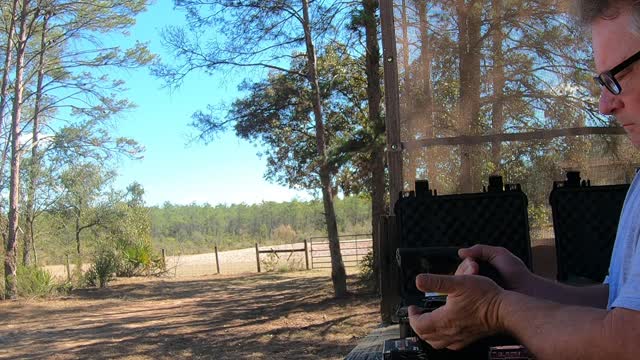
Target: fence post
(164,260)
(217,260)
(68,269)
(306,253)
(311,250)
(257,257)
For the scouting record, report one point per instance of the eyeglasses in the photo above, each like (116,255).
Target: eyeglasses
(607,79)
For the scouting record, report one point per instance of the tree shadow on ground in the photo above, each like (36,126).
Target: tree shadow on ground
(280,316)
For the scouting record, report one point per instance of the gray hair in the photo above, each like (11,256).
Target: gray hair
(588,11)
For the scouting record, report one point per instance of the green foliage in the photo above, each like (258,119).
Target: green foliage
(65,287)
(125,248)
(63,67)
(123,260)
(275,113)
(366,274)
(184,229)
(35,282)
(89,278)
(539,216)
(138,259)
(138,233)
(103,269)
(78,276)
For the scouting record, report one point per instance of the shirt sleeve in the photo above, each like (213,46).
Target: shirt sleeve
(629,295)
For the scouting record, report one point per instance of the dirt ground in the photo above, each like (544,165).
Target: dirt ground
(252,316)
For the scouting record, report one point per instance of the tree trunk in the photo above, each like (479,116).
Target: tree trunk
(78,235)
(426,98)
(4,96)
(338,273)
(411,116)
(374,96)
(469,23)
(29,239)
(10,261)
(498,84)
(4,86)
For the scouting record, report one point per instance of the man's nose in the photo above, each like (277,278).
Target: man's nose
(609,103)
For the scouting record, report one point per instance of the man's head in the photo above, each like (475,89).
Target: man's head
(615,30)
(591,10)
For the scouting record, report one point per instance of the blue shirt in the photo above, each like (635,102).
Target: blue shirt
(624,269)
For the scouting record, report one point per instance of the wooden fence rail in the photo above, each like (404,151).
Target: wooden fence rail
(277,251)
(316,256)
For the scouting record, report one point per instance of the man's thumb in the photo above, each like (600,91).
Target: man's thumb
(445,284)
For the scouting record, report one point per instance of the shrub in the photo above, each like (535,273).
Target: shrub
(269,262)
(35,282)
(89,278)
(273,263)
(367,274)
(103,269)
(284,233)
(77,273)
(65,287)
(138,259)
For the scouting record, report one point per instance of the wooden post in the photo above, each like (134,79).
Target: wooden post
(68,269)
(164,260)
(392,101)
(258,257)
(306,253)
(217,260)
(389,274)
(311,251)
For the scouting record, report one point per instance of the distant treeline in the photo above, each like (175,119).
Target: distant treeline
(197,228)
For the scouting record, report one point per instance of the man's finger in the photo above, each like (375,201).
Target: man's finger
(438,344)
(468,267)
(414,311)
(445,284)
(480,252)
(419,322)
(458,345)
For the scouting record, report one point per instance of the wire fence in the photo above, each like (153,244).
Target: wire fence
(353,249)
(295,256)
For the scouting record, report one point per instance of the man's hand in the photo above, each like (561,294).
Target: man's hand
(514,273)
(471,311)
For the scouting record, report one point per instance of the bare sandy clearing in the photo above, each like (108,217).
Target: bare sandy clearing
(260,316)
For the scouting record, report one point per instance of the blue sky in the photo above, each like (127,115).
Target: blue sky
(225,171)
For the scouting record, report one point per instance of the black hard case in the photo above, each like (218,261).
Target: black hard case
(585,221)
(432,227)
(497,218)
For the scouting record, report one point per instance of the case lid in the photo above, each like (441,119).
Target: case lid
(585,222)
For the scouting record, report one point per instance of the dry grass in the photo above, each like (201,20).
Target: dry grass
(255,316)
